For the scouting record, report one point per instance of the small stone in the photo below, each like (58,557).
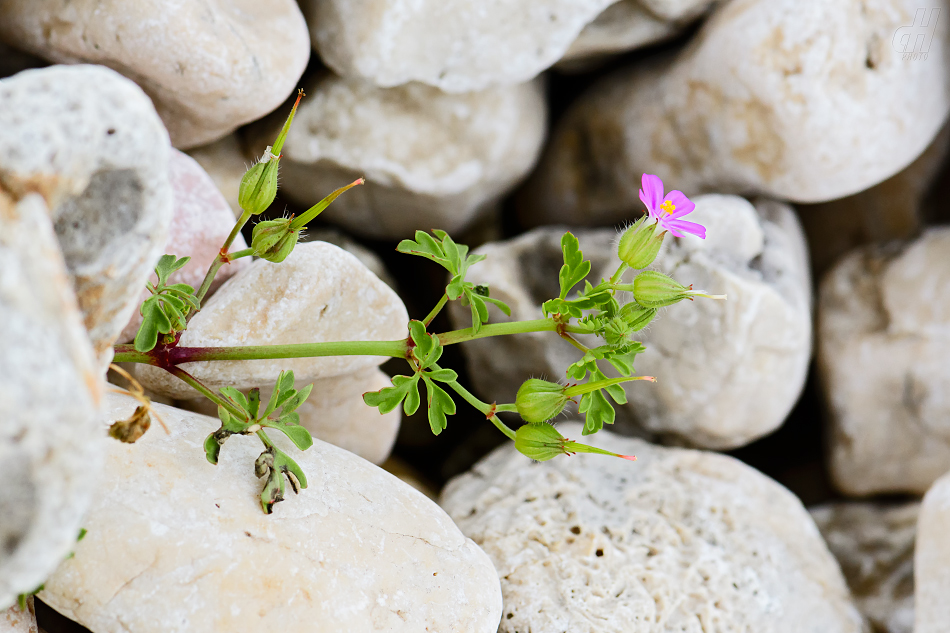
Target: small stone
(13,620)
(430,159)
(680,540)
(932,560)
(201,221)
(50,389)
(813,102)
(320,293)
(89,141)
(874,544)
(225,162)
(208,66)
(727,372)
(883,341)
(454,45)
(175,542)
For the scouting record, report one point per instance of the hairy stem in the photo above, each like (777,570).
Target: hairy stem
(484,407)
(502,329)
(219,261)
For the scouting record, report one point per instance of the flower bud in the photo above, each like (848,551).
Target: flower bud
(655,290)
(640,243)
(636,316)
(539,442)
(259,184)
(540,400)
(274,240)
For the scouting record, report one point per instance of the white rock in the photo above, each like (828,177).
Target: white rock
(883,341)
(209,66)
(89,141)
(813,102)
(455,45)
(225,162)
(727,372)
(175,544)
(13,620)
(320,293)
(367,257)
(932,560)
(431,160)
(50,388)
(680,540)
(874,544)
(201,221)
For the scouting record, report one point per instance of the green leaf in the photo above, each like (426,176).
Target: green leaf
(411,404)
(388,398)
(575,268)
(598,412)
(235,397)
(167,265)
(299,435)
(212,448)
(443,375)
(297,398)
(440,404)
(253,402)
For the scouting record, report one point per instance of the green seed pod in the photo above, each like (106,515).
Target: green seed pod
(636,316)
(259,185)
(640,243)
(655,290)
(540,442)
(540,400)
(274,240)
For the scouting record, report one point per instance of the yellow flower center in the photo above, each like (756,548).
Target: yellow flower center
(668,206)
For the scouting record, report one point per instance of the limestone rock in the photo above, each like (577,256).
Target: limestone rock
(813,102)
(932,560)
(208,66)
(680,540)
(319,293)
(177,544)
(727,372)
(89,141)
(454,45)
(13,620)
(367,257)
(225,162)
(874,544)
(201,221)
(883,340)
(431,160)
(49,391)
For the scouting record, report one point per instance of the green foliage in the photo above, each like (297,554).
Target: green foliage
(166,310)
(455,259)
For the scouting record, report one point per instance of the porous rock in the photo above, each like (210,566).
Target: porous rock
(89,141)
(430,159)
(320,293)
(13,620)
(177,544)
(50,388)
(727,371)
(883,339)
(680,540)
(813,102)
(932,560)
(874,544)
(209,66)
(201,222)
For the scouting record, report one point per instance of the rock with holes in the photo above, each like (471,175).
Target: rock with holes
(208,66)
(88,140)
(883,341)
(175,543)
(225,162)
(431,160)
(874,544)
(201,222)
(813,102)
(320,293)
(50,389)
(680,540)
(15,620)
(727,372)
(932,560)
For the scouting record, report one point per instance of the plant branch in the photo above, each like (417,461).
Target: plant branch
(219,261)
(435,311)
(205,391)
(488,409)
(178,355)
(502,329)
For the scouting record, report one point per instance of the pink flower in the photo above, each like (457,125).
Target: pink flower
(668,210)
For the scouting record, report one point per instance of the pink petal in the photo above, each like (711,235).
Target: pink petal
(687,227)
(652,192)
(683,204)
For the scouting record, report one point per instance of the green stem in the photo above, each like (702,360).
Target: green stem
(573,341)
(484,407)
(218,262)
(435,311)
(265,439)
(247,252)
(502,329)
(616,276)
(205,391)
(512,408)
(179,355)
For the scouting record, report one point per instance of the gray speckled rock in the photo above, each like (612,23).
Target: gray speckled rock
(874,544)
(679,540)
(431,160)
(932,560)
(727,372)
(175,544)
(319,293)
(89,141)
(883,341)
(49,391)
(454,45)
(813,102)
(209,66)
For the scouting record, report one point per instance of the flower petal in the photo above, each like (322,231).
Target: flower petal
(652,192)
(687,227)
(683,204)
